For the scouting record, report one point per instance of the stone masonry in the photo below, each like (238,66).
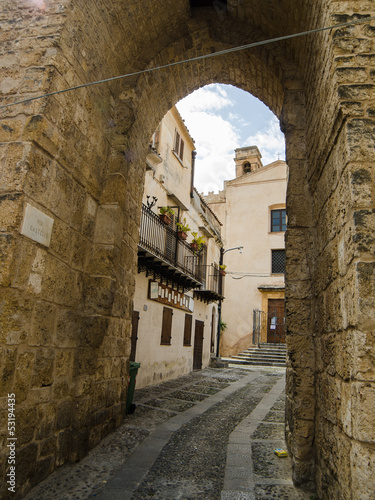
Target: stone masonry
(78,157)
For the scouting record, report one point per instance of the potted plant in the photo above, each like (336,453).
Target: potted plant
(223,326)
(222,270)
(165,214)
(197,242)
(182,229)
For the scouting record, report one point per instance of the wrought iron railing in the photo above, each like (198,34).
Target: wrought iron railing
(212,279)
(162,241)
(259,325)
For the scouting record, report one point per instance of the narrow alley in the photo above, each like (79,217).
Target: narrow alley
(207,435)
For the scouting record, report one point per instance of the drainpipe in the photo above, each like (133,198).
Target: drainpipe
(193,156)
(221,260)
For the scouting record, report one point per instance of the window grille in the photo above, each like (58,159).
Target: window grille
(278,261)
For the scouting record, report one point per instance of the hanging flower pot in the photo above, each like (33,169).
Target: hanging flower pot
(182,229)
(165,219)
(182,235)
(194,246)
(197,242)
(165,214)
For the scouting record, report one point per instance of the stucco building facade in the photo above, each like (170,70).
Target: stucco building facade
(176,289)
(252,208)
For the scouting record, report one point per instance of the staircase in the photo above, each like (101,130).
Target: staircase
(265,355)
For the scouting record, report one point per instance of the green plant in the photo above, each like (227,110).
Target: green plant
(166,211)
(198,240)
(223,326)
(183,226)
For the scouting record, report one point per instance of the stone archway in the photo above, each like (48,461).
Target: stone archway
(78,158)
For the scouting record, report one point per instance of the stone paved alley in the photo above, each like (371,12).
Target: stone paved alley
(206,435)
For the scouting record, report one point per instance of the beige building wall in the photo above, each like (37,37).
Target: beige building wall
(162,362)
(245,207)
(169,179)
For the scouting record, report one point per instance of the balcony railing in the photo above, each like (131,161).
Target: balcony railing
(161,251)
(213,284)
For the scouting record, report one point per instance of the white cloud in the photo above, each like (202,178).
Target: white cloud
(217,137)
(270,141)
(210,98)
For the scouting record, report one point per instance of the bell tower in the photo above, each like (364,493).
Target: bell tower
(247,160)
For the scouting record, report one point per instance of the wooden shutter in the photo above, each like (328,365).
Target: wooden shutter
(181,155)
(187,329)
(166,329)
(177,143)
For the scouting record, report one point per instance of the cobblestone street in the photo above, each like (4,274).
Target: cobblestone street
(207,435)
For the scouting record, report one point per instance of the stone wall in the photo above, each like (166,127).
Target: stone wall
(78,157)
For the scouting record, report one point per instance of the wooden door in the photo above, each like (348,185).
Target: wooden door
(276,321)
(134,337)
(198,345)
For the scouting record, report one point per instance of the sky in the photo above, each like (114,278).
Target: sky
(221,118)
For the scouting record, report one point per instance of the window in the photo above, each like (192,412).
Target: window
(166,329)
(246,167)
(187,329)
(278,261)
(278,220)
(179,146)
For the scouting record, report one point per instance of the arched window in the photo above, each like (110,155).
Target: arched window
(246,167)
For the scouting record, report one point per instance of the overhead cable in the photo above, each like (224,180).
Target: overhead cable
(193,59)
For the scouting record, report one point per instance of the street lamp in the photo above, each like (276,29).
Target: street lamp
(222,252)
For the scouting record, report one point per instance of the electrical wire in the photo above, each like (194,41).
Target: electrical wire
(193,59)
(249,275)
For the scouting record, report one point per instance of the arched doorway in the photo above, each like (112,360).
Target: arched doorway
(78,159)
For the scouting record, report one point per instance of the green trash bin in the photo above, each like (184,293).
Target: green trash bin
(130,407)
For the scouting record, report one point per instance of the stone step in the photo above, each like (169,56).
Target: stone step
(253,363)
(260,358)
(264,351)
(264,355)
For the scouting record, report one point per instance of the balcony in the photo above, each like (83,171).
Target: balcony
(162,255)
(213,285)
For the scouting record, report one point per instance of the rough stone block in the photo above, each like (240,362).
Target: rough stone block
(42,375)
(24,369)
(65,414)
(108,225)
(363,400)
(7,369)
(26,423)
(362,466)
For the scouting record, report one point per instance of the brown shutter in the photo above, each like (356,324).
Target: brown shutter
(177,143)
(187,329)
(181,155)
(166,328)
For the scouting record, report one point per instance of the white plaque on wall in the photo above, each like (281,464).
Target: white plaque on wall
(37,226)
(154,290)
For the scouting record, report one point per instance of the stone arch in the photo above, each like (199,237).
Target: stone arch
(78,158)
(157,92)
